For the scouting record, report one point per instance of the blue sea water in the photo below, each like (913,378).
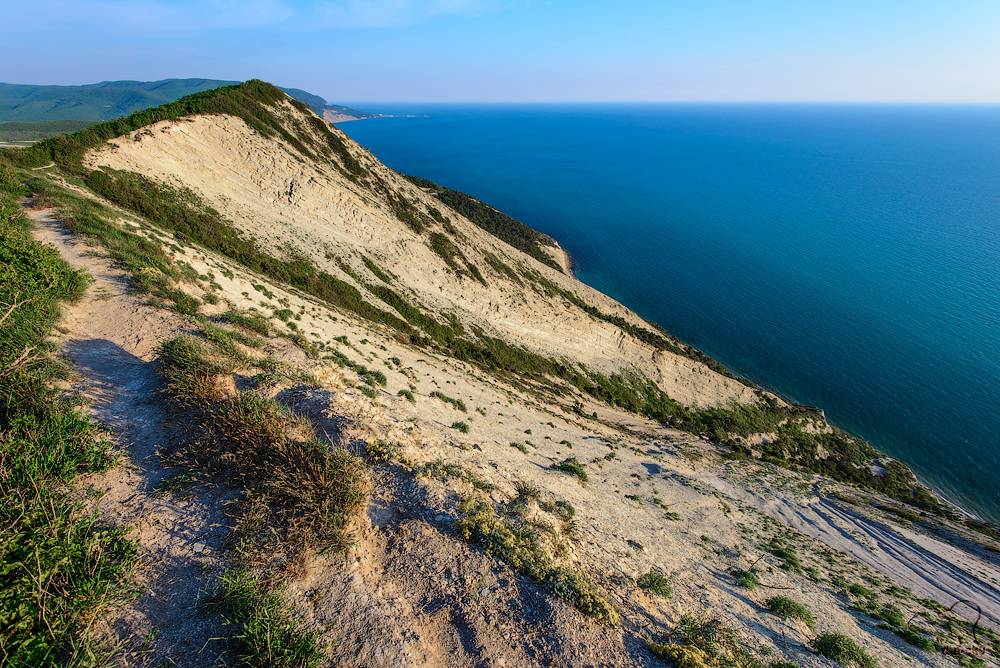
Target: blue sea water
(847,256)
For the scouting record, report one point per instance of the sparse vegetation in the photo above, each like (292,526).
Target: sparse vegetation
(383,452)
(790,560)
(58,563)
(441,469)
(746,579)
(500,225)
(520,545)
(460,426)
(704,642)
(309,493)
(251,321)
(456,403)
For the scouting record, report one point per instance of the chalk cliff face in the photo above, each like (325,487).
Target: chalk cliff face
(337,220)
(489,462)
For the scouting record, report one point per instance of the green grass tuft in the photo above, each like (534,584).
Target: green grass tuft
(457,403)
(268,634)
(787,608)
(843,650)
(572,465)
(657,582)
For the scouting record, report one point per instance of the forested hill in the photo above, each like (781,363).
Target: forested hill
(111,99)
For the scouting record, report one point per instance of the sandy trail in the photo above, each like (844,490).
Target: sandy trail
(111,338)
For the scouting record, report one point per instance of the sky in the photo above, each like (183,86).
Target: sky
(523,50)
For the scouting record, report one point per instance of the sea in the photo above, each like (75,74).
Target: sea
(846,256)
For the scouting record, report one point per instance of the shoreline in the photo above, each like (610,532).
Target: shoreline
(564,259)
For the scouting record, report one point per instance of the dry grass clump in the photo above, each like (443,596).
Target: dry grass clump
(296,488)
(193,376)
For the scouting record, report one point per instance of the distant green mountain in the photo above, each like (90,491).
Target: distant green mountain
(111,99)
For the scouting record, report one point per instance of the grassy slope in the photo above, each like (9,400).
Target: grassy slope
(58,564)
(32,131)
(497,223)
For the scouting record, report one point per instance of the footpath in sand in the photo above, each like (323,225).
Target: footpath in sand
(111,338)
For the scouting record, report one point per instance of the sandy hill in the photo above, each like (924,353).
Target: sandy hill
(366,420)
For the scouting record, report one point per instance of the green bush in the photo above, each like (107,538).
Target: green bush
(572,465)
(787,608)
(843,650)
(657,582)
(746,579)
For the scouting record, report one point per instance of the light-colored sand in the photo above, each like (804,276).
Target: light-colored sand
(267,190)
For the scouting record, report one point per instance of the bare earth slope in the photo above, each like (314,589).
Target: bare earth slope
(264,187)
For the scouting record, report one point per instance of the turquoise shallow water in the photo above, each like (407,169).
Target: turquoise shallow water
(846,256)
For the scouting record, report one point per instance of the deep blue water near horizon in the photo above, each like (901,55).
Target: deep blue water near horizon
(847,256)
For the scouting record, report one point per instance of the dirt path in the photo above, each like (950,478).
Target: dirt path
(111,337)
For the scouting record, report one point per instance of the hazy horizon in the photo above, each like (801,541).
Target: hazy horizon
(525,51)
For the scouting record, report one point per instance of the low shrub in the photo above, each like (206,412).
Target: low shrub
(746,579)
(843,650)
(656,582)
(572,465)
(788,608)
(251,321)
(456,403)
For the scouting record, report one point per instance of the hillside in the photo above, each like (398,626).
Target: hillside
(111,99)
(367,420)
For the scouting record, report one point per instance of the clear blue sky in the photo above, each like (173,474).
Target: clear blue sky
(523,50)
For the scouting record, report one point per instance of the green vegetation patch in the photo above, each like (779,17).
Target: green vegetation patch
(843,650)
(573,466)
(58,563)
(268,633)
(446,249)
(657,582)
(788,608)
(25,132)
(457,403)
(704,642)
(497,223)
(251,321)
